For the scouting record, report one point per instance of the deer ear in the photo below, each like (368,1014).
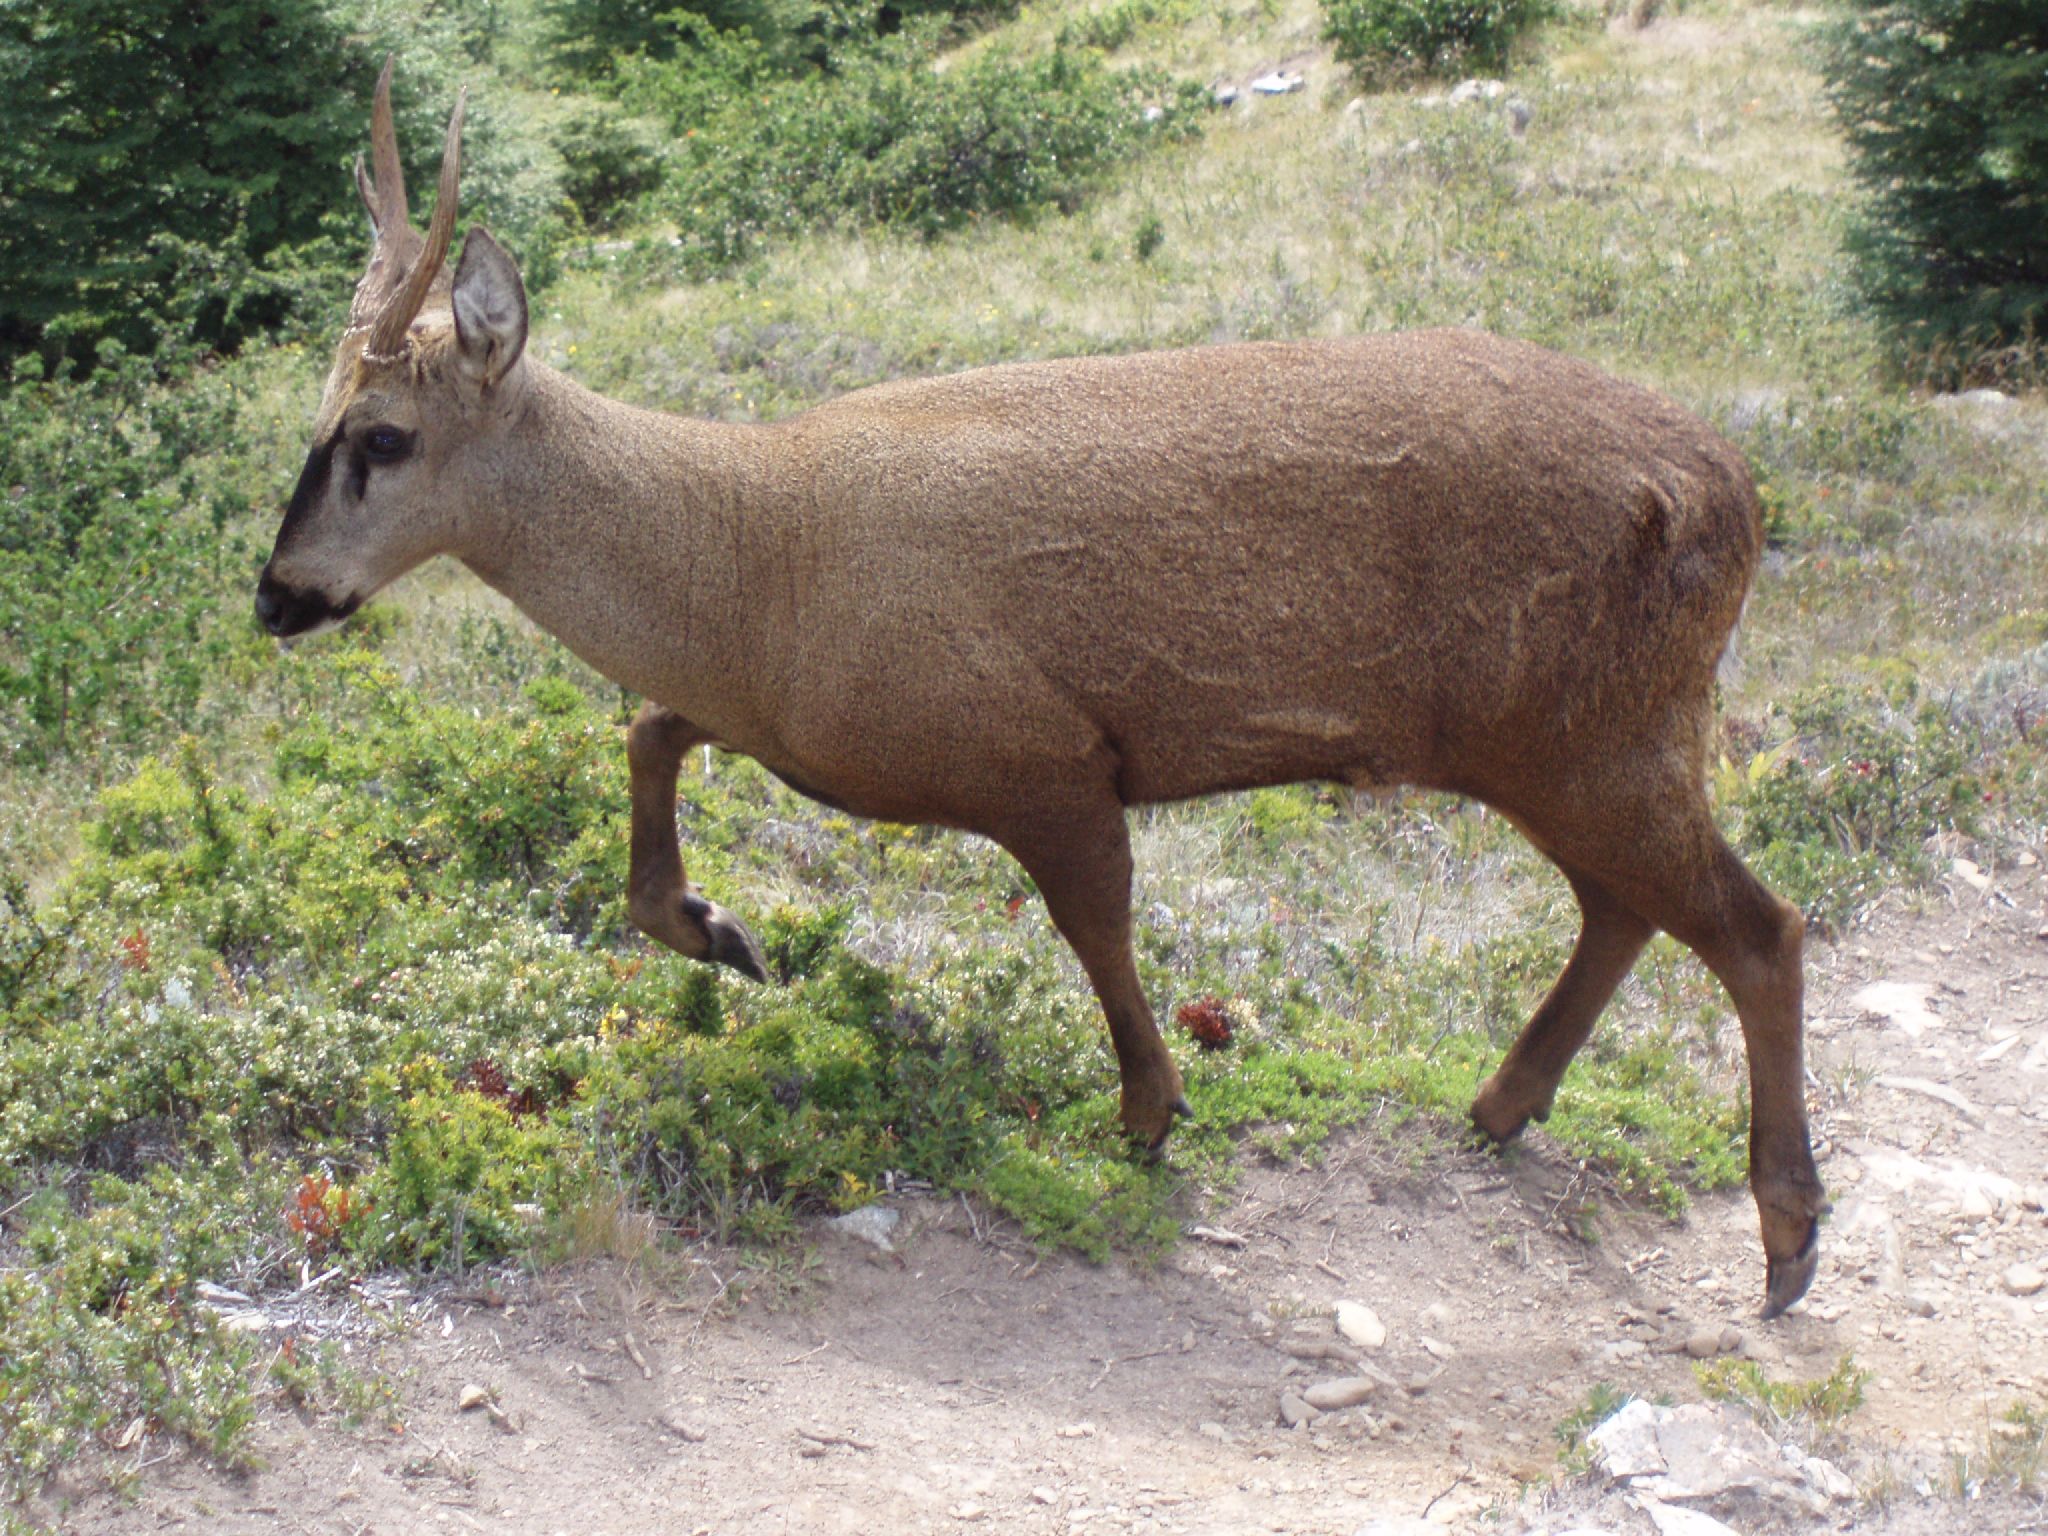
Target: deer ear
(490,308)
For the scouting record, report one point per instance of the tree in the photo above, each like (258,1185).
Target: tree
(1945,105)
(164,162)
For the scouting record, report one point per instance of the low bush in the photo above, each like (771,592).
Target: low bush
(884,138)
(1380,38)
(114,553)
(1847,805)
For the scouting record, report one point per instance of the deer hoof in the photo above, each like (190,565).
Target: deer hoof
(1786,1280)
(1182,1109)
(729,942)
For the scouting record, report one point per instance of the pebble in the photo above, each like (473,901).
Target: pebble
(472,1396)
(1360,1324)
(1339,1392)
(1211,1430)
(1044,1496)
(1294,1412)
(1920,1304)
(1081,1431)
(967,1509)
(2024,1280)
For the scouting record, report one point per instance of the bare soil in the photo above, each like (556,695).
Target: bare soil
(965,1380)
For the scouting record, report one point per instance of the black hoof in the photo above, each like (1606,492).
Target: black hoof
(1182,1108)
(731,943)
(1786,1280)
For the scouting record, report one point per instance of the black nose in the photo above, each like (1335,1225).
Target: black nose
(270,604)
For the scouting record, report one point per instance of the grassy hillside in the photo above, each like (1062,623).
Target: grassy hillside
(327,963)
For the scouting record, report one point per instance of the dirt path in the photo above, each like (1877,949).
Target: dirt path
(963,1380)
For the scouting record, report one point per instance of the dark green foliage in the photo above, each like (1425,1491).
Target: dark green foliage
(885,139)
(148,146)
(170,168)
(1390,37)
(1945,104)
(608,163)
(114,554)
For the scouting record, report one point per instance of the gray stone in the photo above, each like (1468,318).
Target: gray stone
(1294,1412)
(1340,1392)
(874,1224)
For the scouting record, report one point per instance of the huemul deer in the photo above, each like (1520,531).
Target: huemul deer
(1022,599)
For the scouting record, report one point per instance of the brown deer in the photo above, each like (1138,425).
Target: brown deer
(1022,599)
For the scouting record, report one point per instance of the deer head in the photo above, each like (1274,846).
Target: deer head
(427,373)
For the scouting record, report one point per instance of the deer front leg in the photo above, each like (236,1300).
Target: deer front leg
(662,903)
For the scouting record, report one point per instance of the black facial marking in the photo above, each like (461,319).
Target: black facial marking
(358,469)
(312,481)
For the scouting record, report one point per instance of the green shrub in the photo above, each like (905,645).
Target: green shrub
(461,1162)
(114,557)
(1849,805)
(1391,37)
(1947,122)
(885,139)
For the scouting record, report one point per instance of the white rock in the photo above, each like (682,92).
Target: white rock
(2024,1280)
(1903,1003)
(1677,1520)
(1360,1324)
(1085,1430)
(1044,1496)
(1277,84)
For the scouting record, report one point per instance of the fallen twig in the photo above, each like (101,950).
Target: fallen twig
(819,1437)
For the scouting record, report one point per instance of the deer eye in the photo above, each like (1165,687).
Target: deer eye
(386,445)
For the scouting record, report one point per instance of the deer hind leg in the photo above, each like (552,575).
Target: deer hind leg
(1678,874)
(1082,866)
(1522,1088)
(662,903)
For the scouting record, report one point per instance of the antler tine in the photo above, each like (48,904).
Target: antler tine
(389,185)
(397,316)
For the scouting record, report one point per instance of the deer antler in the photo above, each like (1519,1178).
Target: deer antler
(387,332)
(384,196)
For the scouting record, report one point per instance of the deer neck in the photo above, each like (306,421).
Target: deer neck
(651,545)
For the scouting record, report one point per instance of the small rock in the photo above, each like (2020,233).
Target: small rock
(967,1509)
(1436,1347)
(1977,1204)
(472,1396)
(1044,1496)
(1703,1343)
(1360,1324)
(1294,1411)
(1085,1430)
(1225,95)
(1340,1392)
(1211,1430)
(683,1429)
(1476,90)
(2024,1280)
(874,1224)
(1919,1304)
(1520,115)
